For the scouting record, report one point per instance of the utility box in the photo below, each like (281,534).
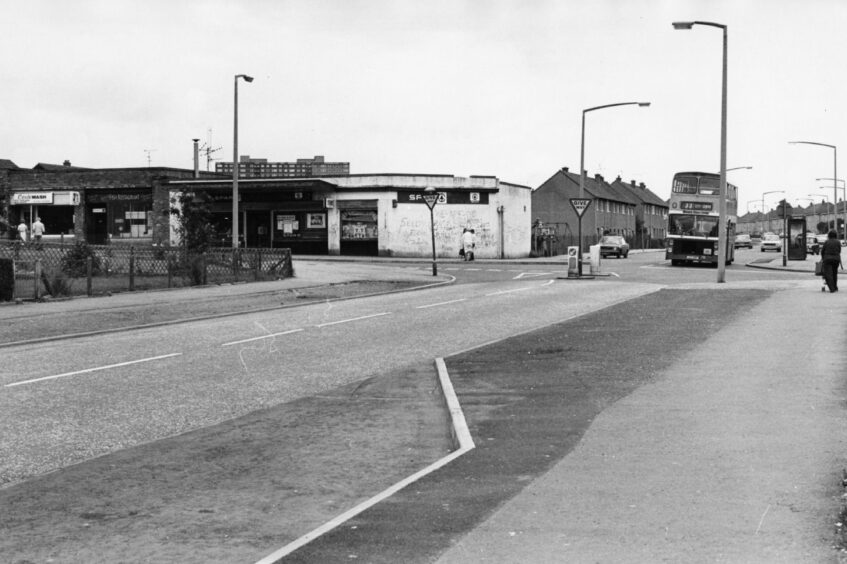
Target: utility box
(594,257)
(573,261)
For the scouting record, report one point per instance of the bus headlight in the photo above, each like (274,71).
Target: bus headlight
(707,251)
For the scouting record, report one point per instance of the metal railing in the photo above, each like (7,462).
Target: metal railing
(45,269)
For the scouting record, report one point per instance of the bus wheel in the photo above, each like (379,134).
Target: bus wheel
(675,262)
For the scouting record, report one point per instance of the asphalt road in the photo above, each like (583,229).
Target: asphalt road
(167,389)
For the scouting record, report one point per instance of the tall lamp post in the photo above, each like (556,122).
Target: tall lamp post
(722,232)
(582,164)
(843,199)
(834,174)
(430,196)
(763,206)
(834,209)
(235,162)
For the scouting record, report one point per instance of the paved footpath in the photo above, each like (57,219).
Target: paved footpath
(712,462)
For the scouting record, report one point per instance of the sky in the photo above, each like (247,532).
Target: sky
(461,87)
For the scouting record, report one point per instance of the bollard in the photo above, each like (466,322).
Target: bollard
(132,269)
(89,267)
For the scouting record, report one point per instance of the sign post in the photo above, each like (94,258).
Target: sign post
(430,196)
(579,206)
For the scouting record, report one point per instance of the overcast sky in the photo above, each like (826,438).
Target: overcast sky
(456,87)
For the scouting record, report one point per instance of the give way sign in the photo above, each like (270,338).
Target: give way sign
(580,205)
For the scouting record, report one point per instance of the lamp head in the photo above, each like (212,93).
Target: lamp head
(683,25)
(644,104)
(248,78)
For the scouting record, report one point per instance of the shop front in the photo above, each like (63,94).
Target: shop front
(359,227)
(119,216)
(54,208)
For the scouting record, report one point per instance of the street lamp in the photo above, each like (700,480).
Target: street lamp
(834,209)
(722,232)
(582,164)
(430,196)
(844,199)
(235,162)
(834,174)
(739,168)
(763,207)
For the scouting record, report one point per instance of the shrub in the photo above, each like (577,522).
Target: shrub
(75,261)
(7,279)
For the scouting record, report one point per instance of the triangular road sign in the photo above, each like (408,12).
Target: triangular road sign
(580,205)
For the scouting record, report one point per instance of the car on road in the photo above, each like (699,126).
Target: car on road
(613,245)
(743,240)
(812,245)
(771,242)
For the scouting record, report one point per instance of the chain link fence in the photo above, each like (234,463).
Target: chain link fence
(41,270)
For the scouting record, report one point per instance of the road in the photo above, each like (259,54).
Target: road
(67,402)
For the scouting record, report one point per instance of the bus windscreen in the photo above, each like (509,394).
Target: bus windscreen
(693,225)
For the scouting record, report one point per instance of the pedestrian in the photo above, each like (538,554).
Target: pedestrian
(469,243)
(37,229)
(831,260)
(22,230)
(462,243)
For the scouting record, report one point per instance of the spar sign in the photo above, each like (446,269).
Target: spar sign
(580,205)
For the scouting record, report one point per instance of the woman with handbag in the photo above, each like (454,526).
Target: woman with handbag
(831,260)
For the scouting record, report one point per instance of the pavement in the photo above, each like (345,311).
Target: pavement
(703,464)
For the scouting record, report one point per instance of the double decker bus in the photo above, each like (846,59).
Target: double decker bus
(693,214)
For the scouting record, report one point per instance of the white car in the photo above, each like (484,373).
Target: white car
(771,242)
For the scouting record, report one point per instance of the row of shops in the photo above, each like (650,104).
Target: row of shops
(372,215)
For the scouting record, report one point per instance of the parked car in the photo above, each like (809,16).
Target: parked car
(771,242)
(743,240)
(812,245)
(613,245)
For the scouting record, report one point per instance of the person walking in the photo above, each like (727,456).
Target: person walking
(37,229)
(22,229)
(469,243)
(831,260)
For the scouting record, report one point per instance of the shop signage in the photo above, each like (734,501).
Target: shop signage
(417,197)
(38,198)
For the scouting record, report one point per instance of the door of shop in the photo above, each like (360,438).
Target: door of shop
(97,225)
(359,227)
(258,228)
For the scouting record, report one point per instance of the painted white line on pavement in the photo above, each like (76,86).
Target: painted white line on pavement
(353,319)
(460,433)
(260,338)
(88,370)
(510,291)
(530,274)
(441,303)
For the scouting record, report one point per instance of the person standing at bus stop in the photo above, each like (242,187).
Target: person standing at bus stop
(831,260)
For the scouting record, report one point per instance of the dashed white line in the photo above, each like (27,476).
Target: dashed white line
(510,291)
(440,303)
(261,337)
(353,319)
(89,370)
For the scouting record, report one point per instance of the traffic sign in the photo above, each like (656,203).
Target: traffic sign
(580,205)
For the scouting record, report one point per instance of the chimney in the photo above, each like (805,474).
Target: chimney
(632,183)
(598,177)
(565,169)
(66,163)
(196,158)
(642,186)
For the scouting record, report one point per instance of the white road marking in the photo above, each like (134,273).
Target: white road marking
(88,370)
(260,338)
(513,290)
(440,303)
(463,437)
(353,319)
(530,274)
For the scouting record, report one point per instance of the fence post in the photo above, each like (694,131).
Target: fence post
(89,269)
(257,266)
(205,268)
(37,279)
(132,269)
(169,266)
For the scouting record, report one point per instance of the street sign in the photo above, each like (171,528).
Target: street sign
(580,205)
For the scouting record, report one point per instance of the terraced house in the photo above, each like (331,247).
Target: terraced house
(612,211)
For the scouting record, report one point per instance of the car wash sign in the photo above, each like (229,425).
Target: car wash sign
(32,198)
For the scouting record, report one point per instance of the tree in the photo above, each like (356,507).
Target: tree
(194,227)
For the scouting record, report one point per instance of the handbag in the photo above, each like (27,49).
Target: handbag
(461,252)
(818,268)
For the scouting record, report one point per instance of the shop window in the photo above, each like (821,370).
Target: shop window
(358,225)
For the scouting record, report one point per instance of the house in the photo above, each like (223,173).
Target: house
(651,214)
(612,211)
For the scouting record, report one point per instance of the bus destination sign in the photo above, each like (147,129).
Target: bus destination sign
(696,206)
